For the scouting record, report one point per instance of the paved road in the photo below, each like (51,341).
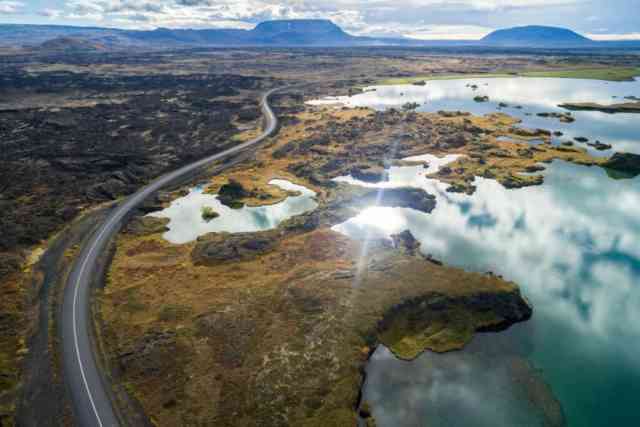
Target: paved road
(91,404)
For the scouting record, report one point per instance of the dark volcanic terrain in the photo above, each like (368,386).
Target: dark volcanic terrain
(90,139)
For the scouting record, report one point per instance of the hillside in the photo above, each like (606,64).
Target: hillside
(71,44)
(282,33)
(536,36)
(302,31)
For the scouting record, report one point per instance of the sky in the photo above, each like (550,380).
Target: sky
(423,19)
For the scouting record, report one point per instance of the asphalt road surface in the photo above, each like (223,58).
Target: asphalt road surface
(92,406)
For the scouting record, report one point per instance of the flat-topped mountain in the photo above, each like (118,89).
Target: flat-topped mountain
(307,26)
(301,31)
(536,36)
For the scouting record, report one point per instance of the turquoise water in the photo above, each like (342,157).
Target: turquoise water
(486,385)
(573,246)
(185,214)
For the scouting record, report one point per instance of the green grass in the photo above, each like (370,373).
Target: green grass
(609,74)
(409,80)
(208,214)
(616,74)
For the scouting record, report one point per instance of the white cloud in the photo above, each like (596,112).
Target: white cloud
(379,17)
(449,32)
(10,7)
(614,37)
(50,13)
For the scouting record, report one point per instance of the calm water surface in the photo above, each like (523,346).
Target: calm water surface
(572,244)
(185,214)
(534,95)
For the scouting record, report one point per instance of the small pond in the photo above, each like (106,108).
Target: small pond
(187,224)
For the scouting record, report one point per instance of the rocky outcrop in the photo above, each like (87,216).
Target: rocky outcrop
(600,146)
(531,133)
(625,107)
(368,173)
(563,117)
(406,242)
(232,193)
(455,141)
(627,164)
(413,198)
(9,263)
(224,247)
(442,323)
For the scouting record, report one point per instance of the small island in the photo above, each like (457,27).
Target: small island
(208,214)
(624,107)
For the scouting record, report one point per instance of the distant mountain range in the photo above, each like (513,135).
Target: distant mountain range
(535,35)
(303,32)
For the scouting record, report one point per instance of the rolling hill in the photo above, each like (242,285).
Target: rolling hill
(536,36)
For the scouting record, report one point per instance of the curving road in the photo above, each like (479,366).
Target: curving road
(92,406)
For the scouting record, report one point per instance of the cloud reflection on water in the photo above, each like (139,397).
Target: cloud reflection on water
(572,246)
(535,95)
(187,224)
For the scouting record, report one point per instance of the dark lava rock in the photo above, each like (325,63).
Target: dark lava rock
(414,198)
(600,146)
(563,117)
(153,204)
(9,263)
(626,164)
(406,242)
(444,171)
(512,182)
(453,113)
(581,139)
(529,133)
(455,141)
(369,174)
(534,168)
(109,189)
(249,114)
(365,410)
(285,150)
(222,247)
(231,193)
(461,188)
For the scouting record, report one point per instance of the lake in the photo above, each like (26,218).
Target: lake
(571,244)
(534,95)
(185,213)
